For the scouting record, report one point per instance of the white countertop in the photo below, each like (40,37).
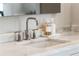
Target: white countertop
(11,49)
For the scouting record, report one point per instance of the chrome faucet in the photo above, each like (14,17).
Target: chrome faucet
(26,31)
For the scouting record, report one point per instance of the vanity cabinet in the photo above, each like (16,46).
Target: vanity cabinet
(50,7)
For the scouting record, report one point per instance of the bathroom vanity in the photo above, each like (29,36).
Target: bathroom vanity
(58,45)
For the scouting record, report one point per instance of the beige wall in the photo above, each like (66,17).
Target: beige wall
(75,14)
(63,19)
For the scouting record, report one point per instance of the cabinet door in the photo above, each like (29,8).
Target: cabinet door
(50,7)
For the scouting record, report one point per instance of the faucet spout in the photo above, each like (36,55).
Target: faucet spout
(26,32)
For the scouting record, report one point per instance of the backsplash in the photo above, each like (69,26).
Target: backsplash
(18,23)
(9,24)
(41,19)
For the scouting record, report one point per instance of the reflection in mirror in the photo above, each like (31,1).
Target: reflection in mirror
(11,9)
(1,10)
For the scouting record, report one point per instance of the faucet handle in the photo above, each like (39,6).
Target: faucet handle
(36,33)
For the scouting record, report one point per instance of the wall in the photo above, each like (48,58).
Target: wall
(75,13)
(75,16)
(18,23)
(41,19)
(14,23)
(9,24)
(63,19)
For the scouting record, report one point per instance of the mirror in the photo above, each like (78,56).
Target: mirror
(11,9)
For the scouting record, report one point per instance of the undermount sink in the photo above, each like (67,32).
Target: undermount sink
(47,43)
(44,43)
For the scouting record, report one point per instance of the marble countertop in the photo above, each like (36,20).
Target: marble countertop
(13,49)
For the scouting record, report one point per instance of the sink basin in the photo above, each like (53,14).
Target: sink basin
(45,43)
